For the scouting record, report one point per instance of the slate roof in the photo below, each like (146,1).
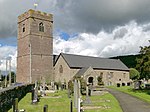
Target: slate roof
(78,61)
(81,71)
(55,57)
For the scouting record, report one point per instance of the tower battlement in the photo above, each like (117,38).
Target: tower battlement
(35,14)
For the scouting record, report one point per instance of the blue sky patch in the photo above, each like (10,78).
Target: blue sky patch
(10,41)
(64,35)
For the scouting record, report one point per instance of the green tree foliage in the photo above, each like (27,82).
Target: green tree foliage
(100,82)
(70,86)
(13,77)
(83,85)
(134,74)
(143,62)
(128,60)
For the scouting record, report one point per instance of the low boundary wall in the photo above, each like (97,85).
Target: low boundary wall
(7,95)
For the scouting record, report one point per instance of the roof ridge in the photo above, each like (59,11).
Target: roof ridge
(85,56)
(90,56)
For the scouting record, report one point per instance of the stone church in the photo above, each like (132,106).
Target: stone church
(112,71)
(36,61)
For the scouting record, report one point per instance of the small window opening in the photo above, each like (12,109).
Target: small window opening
(41,27)
(23,28)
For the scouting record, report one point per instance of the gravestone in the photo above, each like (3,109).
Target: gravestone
(15,105)
(71,106)
(52,85)
(77,99)
(43,87)
(45,108)
(137,85)
(75,93)
(87,100)
(35,93)
(69,93)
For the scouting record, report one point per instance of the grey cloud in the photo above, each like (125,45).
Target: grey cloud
(120,33)
(123,40)
(76,15)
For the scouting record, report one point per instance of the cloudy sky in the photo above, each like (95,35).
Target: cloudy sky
(103,28)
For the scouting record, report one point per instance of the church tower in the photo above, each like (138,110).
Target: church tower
(35,47)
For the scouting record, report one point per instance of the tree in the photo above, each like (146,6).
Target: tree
(134,74)
(100,82)
(13,77)
(143,62)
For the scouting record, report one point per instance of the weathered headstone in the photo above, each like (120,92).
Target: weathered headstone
(55,87)
(45,108)
(71,106)
(35,94)
(15,105)
(87,100)
(52,85)
(41,90)
(43,87)
(136,85)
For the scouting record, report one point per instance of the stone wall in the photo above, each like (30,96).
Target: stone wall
(7,95)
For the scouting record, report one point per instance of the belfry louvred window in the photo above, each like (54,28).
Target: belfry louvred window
(41,27)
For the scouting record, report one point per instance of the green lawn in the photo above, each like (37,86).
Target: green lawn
(107,100)
(59,102)
(141,94)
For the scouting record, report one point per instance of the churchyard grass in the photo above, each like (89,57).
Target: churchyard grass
(107,102)
(59,102)
(141,94)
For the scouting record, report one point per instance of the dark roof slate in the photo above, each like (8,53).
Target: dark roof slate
(81,71)
(79,61)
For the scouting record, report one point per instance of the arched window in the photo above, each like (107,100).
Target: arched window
(41,27)
(61,69)
(23,28)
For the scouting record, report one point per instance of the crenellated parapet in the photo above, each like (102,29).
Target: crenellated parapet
(35,14)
